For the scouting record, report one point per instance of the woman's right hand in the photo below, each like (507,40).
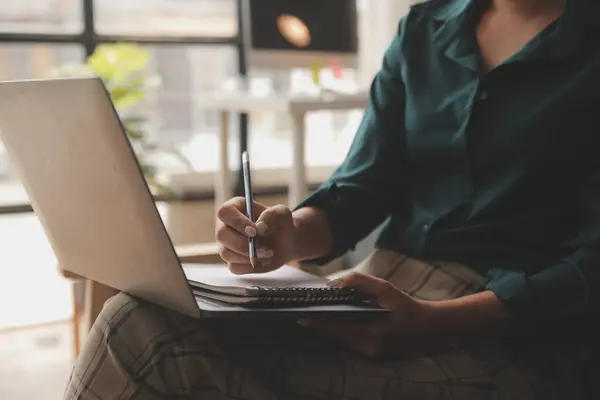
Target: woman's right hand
(274,231)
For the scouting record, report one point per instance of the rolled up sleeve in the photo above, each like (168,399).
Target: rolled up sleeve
(567,289)
(359,195)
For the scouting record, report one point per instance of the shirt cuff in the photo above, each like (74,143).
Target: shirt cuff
(556,292)
(327,199)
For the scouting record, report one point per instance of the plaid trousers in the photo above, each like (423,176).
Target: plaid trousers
(138,350)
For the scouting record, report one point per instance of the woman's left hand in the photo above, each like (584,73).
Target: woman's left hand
(404,328)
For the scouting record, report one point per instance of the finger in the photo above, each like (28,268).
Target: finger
(232,257)
(271,218)
(379,289)
(232,213)
(239,268)
(231,239)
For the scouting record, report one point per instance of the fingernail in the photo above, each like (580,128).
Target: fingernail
(250,231)
(334,282)
(264,253)
(303,322)
(261,227)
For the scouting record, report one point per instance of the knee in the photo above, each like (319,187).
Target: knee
(129,327)
(137,322)
(115,310)
(111,347)
(130,318)
(128,340)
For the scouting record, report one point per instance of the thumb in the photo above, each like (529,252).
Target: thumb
(379,290)
(271,219)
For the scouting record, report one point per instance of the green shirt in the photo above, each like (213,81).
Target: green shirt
(497,170)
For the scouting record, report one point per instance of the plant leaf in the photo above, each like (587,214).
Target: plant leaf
(124,96)
(135,134)
(116,61)
(133,120)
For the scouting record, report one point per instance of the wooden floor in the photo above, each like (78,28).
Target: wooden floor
(35,362)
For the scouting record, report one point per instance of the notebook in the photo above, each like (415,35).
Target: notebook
(284,287)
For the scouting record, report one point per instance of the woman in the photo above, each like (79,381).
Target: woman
(479,154)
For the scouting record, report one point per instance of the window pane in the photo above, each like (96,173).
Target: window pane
(25,61)
(328,136)
(185,72)
(41,16)
(327,133)
(203,18)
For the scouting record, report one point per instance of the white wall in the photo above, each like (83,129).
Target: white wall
(377,28)
(378,24)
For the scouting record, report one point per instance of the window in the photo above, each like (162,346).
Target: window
(31,60)
(193,48)
(185,71)
(41,16)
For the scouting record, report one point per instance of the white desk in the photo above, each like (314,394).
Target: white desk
(227,103)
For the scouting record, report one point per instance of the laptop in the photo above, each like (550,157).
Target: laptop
(67,144)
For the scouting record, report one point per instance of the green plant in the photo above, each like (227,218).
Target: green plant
(123,69)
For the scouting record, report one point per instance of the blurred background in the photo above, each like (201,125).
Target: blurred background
(164,58)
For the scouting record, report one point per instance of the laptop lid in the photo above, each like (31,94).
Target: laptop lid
(66,143)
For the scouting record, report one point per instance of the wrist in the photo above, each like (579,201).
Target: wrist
(476,315)
(295,255)
(311,234)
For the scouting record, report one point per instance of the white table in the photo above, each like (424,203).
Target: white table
(227,103)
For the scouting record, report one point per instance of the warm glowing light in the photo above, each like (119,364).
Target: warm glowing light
(294,30)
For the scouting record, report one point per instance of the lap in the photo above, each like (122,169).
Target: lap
(139,350)
(157,351)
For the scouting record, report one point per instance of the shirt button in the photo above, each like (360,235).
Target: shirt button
(483,94)
(425,227)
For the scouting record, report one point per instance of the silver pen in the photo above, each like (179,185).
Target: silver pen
(249,205)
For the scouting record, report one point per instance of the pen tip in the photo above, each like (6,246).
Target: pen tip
(255,262)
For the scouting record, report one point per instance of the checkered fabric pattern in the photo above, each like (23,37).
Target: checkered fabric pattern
(138,350)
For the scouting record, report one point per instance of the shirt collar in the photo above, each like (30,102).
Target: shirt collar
(444,10)
(450,17)
(453,14)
